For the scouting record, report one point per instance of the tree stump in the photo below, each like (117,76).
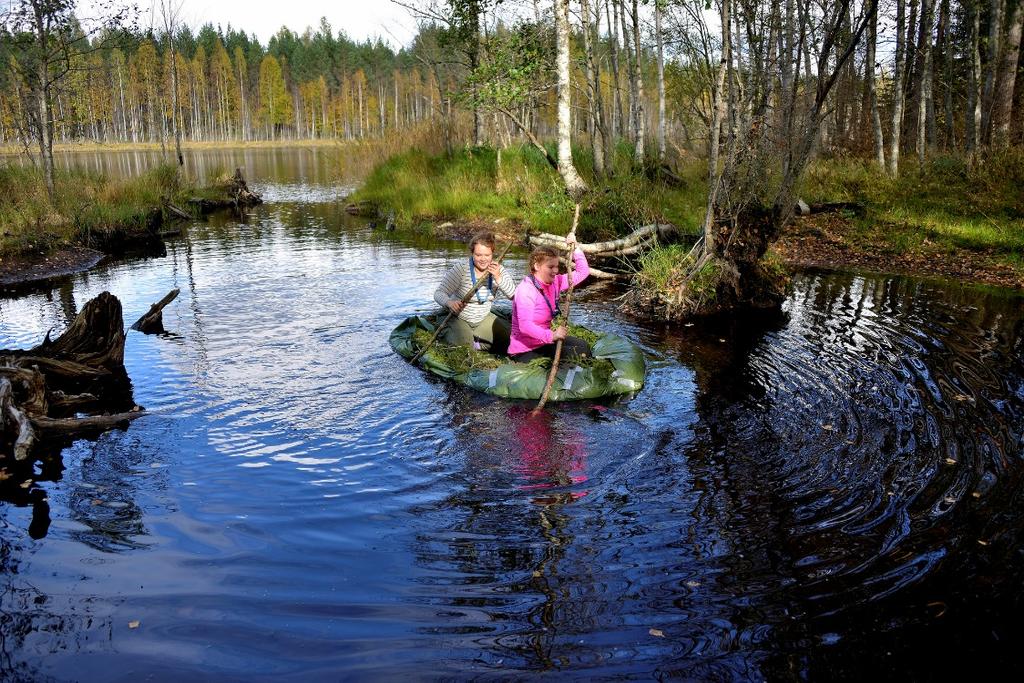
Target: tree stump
(45,390)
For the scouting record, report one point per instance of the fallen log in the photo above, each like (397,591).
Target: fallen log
(802,208)
(153,321)
(82,369)
(662,231)
(597,273)
(178,212)
(70,425)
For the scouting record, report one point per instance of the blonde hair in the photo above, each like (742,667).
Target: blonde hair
(541,254)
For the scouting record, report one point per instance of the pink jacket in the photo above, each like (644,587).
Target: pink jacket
(531,316)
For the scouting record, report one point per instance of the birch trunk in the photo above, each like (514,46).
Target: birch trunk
(925,86)
(641,124)
(717,118)
(42,98)
(661,79)
(876,119)
(898,94)
(597,141)
(972,124)
(573,182)
(617,116)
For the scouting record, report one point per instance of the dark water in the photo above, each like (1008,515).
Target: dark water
(833,493)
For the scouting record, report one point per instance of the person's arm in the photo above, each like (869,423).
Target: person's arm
(580,271)
(506,285)
(449,287)
(526,304)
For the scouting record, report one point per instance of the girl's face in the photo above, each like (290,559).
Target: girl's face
(482,255)
(545,270)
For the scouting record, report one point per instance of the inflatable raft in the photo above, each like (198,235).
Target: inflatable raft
(617,367)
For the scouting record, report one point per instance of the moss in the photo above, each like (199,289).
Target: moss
(465,358)
(459,358)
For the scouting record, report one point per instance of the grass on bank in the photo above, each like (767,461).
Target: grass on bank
(86,206)
(948,205)
(482,184)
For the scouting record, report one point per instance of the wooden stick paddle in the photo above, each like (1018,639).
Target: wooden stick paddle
(465,300)
(568,301)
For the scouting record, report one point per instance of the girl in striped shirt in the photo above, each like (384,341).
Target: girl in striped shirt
(476,324)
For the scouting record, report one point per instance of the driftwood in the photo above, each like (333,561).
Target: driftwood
(153,321)
(237,196)
(804,209)
(180,213)
(645,235)
(363,208)
(632,244)
(44,390)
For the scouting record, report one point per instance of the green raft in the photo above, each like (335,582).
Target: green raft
(617,367)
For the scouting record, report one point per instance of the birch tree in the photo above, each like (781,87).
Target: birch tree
(574,184)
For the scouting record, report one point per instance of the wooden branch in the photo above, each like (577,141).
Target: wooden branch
(26,438)
(68,403)
(66,368)
(532,138)
(645,232)
(180,213)
(624,251)
(70,425)
(153,321)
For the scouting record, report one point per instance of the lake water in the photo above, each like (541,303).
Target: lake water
(834,492)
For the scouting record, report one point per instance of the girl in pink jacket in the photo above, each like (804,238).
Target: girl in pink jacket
(536,303)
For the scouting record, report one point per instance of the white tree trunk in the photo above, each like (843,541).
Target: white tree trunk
(574,184)
(898,95)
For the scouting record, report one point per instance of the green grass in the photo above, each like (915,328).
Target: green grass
(473,185)
(86,205)
(948,205)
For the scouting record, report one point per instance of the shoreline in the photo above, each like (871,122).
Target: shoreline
(8,150)
(812,242)
(25,269)
(826,242)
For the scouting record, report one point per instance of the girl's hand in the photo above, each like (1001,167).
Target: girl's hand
(494,269)
(456,306)
(559,333)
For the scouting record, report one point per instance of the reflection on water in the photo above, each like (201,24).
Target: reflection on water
(829,493)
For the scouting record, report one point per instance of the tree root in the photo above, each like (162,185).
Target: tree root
(81,370)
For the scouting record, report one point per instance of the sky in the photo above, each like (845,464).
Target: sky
(359,19)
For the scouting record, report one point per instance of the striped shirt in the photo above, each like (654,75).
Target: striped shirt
(457,283)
